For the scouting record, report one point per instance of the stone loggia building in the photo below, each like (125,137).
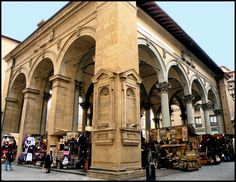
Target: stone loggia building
(112,61)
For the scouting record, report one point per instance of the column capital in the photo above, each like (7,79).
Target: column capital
(147,105)
(46,95)
(79,85)
(58,77)
(30,91)
(188,98)
(85,105)
(217,111)
(163,86)
(205,106)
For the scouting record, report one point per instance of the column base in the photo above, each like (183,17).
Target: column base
(116,175)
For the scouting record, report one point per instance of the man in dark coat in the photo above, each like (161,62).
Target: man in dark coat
(9,159)
(48,162)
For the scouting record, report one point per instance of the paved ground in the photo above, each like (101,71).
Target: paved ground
(223,171)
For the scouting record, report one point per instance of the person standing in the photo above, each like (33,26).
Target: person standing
(48,162)
(9,159)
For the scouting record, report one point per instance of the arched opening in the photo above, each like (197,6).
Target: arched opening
(199,99)
(14,105)
(41,103)
(178,82)
(151,71)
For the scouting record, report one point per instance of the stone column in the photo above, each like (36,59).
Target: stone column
(189,108)
(116,133)
(30,117)
(218,113)
(85,106)
(60,116)
(164,88)
(205,108)
(78,92)
(147,107)
(46,98)
(157,122)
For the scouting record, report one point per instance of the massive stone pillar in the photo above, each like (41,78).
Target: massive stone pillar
(60,115)
(205,107)
(218,113)
(116,140)
(12,116)
(31,115)
(189,108)
(164,87)
(225,97)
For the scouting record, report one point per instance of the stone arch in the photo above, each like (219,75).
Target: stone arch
(49,55)
(159,63)
(214,96)
(200,86)
(14,104)
(181,72)
(21,70)
(86,34)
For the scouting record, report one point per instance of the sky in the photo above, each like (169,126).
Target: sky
(209,24)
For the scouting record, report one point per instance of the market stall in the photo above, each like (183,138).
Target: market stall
(180,145)
(33,150)
(73,151)
(8,143)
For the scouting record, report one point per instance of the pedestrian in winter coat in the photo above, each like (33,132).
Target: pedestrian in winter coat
(48,162)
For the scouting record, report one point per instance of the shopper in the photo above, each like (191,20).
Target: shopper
(48,162)
(9,159)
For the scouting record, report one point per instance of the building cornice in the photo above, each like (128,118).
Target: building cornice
(60,16)
(162,18)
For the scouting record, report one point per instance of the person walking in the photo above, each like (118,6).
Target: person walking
(48,162)
(9,159)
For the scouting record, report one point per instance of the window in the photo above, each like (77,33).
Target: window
(198,122)
(213,120)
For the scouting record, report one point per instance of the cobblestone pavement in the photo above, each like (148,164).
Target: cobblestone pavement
(223,171)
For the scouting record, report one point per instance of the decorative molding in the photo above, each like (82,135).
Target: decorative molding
(205,106)
(77,31)
(59,77)
(217,111)
(188,98)
(163,86)
(104,136)
(51,36)
(103,74)
(8,99)
(130,74)
(147,105)
(58,44)
(130,136)
(30,91)
(164,53)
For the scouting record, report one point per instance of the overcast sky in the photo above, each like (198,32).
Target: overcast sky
(210,24)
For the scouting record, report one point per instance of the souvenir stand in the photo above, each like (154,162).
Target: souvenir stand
(8,143)
(216,148)
(33,150)
(181,144)
(73,151)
